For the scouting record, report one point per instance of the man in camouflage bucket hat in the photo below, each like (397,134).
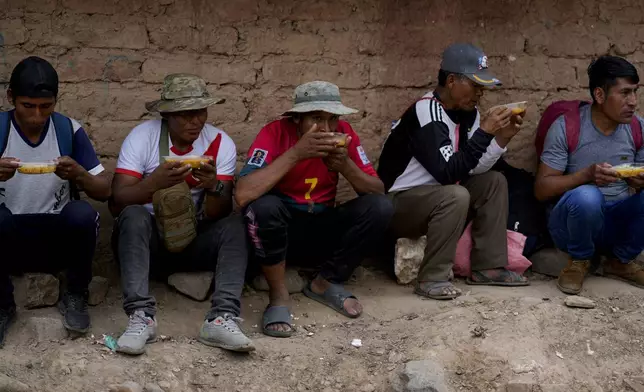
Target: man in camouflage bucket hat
(288,190)
(183,92)
(220,244)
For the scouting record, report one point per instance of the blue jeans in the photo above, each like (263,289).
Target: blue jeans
(583,223)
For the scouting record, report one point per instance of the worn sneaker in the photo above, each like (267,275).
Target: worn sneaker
(140,330)
(6,317)
(224,332)
(74,309)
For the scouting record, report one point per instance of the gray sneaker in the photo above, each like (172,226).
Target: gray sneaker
(224,332)
(140,330)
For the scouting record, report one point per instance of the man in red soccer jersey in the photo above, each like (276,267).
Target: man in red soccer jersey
(288,189)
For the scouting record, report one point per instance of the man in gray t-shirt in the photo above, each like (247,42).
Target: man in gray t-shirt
(594,209)
(594,147)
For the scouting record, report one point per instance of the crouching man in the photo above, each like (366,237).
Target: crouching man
(288,189)
(175,215)
(43,227)
(436,167)
(593,210)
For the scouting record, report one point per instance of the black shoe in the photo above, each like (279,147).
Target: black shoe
(6,317)
(74,308)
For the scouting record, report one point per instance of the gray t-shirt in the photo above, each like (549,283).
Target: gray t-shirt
(594,147)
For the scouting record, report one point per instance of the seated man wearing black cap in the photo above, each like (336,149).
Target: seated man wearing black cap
(46,159)
(435,165)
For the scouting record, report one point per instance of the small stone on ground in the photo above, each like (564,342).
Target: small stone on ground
(129,386)
(8,384)
(153,388)
(549,261)
(42,290)
(409,256)
(521,387)
(193,284)
(635,385)
(417,376)
(575,301)
(360,273)
(43,329)
(367,388)
(98,290)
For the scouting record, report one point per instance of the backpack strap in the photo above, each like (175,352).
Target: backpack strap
(64,133)
(5,127)
(573,126)
(65,136)
(636,130)
(164,144)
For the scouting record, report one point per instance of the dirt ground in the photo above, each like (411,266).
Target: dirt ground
(529,335)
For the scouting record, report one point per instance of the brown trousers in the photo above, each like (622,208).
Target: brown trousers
(441,211)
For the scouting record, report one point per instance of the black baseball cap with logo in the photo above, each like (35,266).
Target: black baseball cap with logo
(34,77)
(468,60)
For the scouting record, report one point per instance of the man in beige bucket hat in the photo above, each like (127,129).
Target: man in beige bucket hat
(288,189)
(149,167)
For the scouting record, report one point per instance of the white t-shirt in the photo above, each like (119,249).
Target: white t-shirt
(44,193)
(139,155)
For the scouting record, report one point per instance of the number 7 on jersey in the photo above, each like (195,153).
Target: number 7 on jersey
(313,182)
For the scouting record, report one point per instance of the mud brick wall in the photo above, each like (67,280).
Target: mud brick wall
(112,55)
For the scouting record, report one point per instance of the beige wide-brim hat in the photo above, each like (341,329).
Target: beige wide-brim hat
(318,96)
(183,92)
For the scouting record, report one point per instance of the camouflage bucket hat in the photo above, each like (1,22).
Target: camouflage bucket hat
(183,92)
(318,96)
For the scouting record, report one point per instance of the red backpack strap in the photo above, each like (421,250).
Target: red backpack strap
(636,131)
(570,111)
(573,127)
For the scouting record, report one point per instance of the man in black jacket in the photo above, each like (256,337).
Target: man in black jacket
(435,166)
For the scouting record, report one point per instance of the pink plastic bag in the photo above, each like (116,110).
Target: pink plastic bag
(517,262)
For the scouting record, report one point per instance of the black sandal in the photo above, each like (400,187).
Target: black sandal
(333,297)
(277,315)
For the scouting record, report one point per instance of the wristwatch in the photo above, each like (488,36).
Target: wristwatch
(219,189)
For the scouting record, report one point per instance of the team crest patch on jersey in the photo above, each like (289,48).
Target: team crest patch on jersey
(363,156)
(446,152)
(258,157)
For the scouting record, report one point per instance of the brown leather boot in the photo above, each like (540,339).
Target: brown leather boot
(571,278)
(631,272)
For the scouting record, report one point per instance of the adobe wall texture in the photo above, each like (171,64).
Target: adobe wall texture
(112,54)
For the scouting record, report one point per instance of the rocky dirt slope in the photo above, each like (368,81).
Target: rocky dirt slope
(491,339)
